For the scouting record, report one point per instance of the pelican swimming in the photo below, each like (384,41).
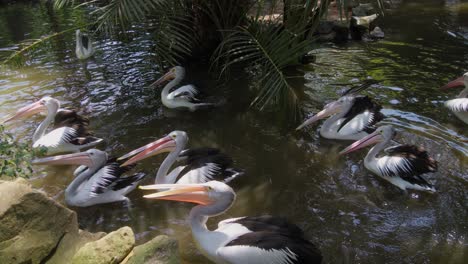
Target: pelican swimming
(402,165)
(353,117)
(459,106)
(98,180)
(71,138)
(182,97)
(84,46)
(242,240)
(201,164)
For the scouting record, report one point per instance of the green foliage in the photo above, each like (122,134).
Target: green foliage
(15,158)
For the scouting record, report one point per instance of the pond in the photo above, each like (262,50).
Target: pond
(350,214)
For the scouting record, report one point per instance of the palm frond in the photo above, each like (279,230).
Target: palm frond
(272,49)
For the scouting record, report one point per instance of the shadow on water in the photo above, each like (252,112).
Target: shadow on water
(353,216)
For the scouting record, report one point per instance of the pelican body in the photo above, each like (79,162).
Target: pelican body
(459,105)
(242,240)
(71,138)
(403,165)
(182,97)
(84,46)
(98,180)
(200,164)
(352,117)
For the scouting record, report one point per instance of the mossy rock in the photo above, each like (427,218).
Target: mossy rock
(159,250)
(111,249)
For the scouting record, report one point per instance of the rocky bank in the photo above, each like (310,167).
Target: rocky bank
(36,229)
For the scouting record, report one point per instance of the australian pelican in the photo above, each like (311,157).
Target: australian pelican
(201,164)
(459,106)
(182,97)
(98,180)
(242,240)
(403,165)
(70,138)
(84,46)
(353,117)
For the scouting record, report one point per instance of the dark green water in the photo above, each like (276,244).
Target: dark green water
(352,216)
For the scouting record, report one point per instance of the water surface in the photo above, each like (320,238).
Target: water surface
(353,216)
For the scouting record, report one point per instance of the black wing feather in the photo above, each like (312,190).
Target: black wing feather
(113,178)
(70,118)
(419,163)
(360,105)
(269,232)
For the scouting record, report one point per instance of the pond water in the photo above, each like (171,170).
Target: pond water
(353,216)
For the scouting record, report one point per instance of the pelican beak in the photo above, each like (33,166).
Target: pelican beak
(27,111)
(455,83)
(165,144)
(330,109)
(363,142)
(82,158)
(191,193)
(166,77)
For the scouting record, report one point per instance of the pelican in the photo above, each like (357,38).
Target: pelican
(242,240)
(84,46)
(402,166)
(459,106)
(353,117)
(98,180)
(201,165)
(182,97)
(63,139)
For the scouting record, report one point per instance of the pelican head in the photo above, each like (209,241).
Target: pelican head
(89,158)
(332,108)
(47,103)
(460,81)
(173,73)
(383,133)
(209,193)
(175,139)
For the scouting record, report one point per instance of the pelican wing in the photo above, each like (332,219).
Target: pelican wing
(203,166)
(457,105)
(408,162)
(70,118)
(269,247)
(362,116)
(186,92)
(110,177)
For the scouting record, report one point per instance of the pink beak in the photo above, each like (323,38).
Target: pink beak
(165,144)
(28,110)
(81,158)
(363,142)
(330,109)
(166,77)
(455,83)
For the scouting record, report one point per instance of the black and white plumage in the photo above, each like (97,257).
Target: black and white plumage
(459,105)
(98,180)
(84,45)
(71,138)
(403,165)
(352,117)
(195,165)
(243,240)
(182,97)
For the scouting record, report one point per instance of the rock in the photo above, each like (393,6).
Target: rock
(332,31)
(70,244)
(377,33)
(31,224)
(159,250)
(112,248)
(359,26)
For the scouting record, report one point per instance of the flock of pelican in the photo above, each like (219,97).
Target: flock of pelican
(202,174)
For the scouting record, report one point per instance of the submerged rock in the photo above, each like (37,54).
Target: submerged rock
(363,10)
(377,33)
(112,248)
(159,250)
(31,224)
